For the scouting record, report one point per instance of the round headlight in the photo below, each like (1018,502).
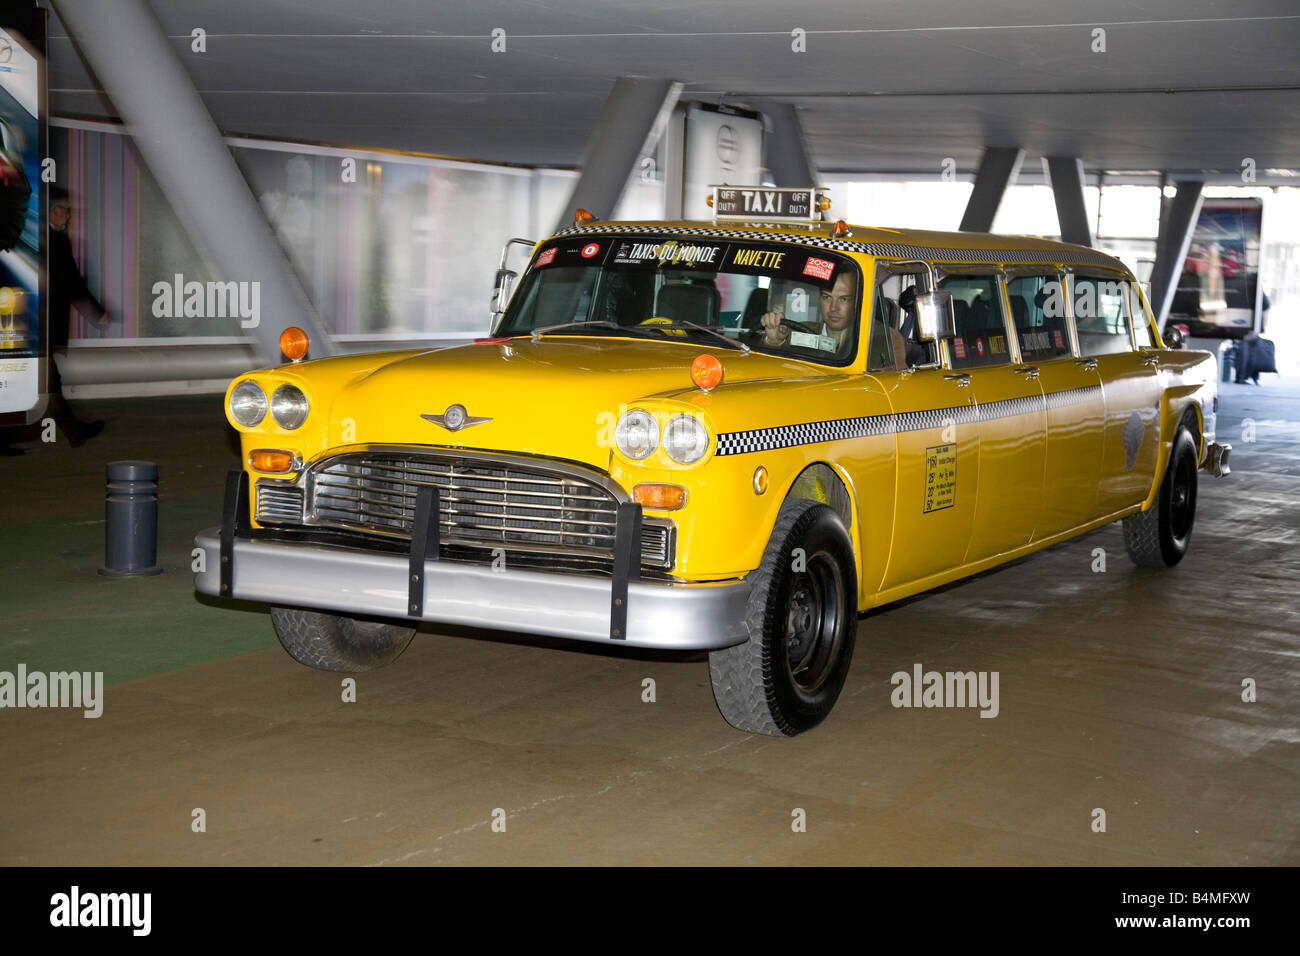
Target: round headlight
(247,404)
(289,406)
(637,435)
(685,439)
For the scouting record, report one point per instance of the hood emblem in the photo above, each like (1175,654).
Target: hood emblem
(455,418)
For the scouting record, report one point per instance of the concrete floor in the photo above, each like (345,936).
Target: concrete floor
(1119,690)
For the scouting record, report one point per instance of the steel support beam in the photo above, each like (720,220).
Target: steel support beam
(785,147)
(170,125)
(998,169)
(1177,221)
(1065,173)
(630,124)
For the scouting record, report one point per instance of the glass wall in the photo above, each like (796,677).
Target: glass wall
(407,250)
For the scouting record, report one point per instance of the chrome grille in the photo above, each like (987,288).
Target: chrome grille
(487,503)
(657,545)
(278,503)
(545,515)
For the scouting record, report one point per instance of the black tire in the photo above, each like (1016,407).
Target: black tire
(1159,536)
(786,678)
(332,642)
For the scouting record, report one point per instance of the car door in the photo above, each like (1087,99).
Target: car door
(936,433)
(1130,386)
(1012,416)
(1076,410)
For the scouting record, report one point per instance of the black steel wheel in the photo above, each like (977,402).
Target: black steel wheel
(802,619)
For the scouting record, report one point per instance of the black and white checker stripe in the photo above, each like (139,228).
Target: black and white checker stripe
(1074,396)
(889,250)
(840,429)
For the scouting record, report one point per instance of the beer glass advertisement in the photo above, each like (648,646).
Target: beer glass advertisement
(1218,292)
(20,224)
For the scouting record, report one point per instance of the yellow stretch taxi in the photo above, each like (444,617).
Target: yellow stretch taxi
(732,436)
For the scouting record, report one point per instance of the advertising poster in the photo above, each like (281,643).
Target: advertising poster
(20,225)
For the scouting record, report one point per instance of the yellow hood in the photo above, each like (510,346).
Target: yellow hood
(552,397)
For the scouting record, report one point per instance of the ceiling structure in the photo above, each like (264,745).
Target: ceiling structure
(1192,87)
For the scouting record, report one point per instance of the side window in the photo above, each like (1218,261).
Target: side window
(1141,325)
(895,341)
(981,332)
(1099,315)
(1038,313)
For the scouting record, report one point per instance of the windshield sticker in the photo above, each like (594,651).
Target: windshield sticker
(590,249)
(959,348)
(1056,337)
(668,253)
(546,256)
(1035,342)
(758,258)
(940,477)
(818,268)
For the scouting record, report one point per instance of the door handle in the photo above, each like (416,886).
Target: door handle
(1087,363)
(961,378)
(1029,371)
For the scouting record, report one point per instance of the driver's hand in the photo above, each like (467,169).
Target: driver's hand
(774,333)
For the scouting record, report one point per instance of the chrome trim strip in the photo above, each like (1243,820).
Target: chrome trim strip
(668,616)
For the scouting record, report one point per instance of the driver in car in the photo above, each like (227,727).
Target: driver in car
(836,314)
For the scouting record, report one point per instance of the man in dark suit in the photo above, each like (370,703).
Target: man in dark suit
(67,289)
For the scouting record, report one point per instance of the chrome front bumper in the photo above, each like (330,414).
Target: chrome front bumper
(371,584)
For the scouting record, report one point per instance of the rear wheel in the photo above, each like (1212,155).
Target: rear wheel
(802,619)
(1159,536)
(333,642)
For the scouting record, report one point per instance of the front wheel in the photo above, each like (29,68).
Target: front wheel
(802,619)
(332,642)
(1159,536)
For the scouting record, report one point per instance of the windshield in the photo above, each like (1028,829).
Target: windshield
(770,297)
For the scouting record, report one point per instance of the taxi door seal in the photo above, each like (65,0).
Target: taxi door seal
(424,546)
(234,524)
(627,566)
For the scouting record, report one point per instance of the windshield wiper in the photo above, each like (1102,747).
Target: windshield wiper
(538,333)
(639,329)
(686,323)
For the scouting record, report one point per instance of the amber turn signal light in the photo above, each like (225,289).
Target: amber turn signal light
(582,216)
(841,229)
(271,461)
(706,371)
(659,497)
(293,343)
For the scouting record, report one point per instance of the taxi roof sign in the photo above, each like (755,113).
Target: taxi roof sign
(751,203)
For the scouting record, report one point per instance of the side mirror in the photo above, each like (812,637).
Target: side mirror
(934,316)
(1173,337)
(503,285)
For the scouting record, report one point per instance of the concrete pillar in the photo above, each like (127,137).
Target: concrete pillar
(631,123)
(1065,173)
(143,76)
(998,169)
(1177,222)
(785,148)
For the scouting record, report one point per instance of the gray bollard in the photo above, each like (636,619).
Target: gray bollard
(131,519)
